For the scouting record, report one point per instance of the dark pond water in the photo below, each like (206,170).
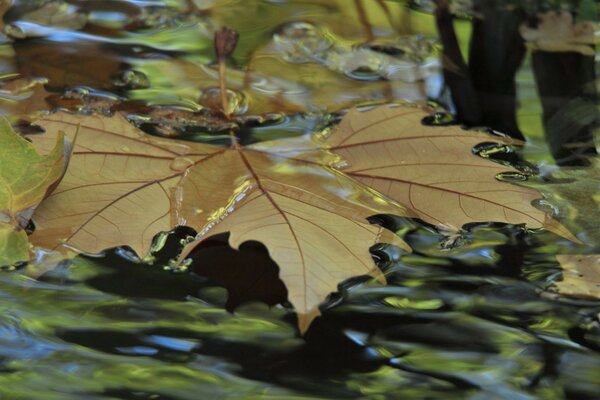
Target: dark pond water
(477,321)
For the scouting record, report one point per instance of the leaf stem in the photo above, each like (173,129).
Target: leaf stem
(235,144)
(223,89)
(225,42)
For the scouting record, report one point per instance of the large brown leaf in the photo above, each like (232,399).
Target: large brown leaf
(306,199)
(433,171)
(119,188)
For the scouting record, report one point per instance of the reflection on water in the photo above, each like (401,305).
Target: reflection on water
(469,322)
(475,318)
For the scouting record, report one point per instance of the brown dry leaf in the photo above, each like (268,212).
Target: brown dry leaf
(306,199)
(119,187)
(433,171)
(122,187)
(581,276)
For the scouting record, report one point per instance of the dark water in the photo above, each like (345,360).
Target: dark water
(476,321)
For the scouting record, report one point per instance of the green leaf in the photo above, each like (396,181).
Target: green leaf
(14,245)
(26,178)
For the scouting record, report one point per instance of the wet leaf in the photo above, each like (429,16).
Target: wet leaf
(120,188)
(581,276)
(558,32)
(433,171)
(306,199)
(26,177)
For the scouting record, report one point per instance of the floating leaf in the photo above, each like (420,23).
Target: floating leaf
(433,171)
(25,179)
(306,199)
(120,188)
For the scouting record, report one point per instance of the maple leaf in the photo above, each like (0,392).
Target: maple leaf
(120,187)
(25,179)
(433,171)
(306,199)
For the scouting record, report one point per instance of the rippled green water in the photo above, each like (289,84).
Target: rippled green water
(473,322)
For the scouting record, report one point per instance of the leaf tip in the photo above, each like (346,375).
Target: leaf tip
(306,319)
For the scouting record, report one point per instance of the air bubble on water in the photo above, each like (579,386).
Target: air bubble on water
(158,244)
(487,150)
(177,199)
(237,103)
(528,169)
(132,79)
(438,119)
(15,31)
(341,164)
(323,135)
(178,267)
(301,42)
(128,254)
(511,177)
(547,207)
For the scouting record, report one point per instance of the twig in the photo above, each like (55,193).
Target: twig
(225,42)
